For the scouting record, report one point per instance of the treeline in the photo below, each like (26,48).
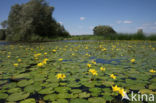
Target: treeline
(112,37)
(31,21)
(109,33)
(104,32)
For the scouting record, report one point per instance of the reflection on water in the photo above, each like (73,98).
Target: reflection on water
(4,43)
(99,60)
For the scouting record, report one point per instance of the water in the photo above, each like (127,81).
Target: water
(77,40)
(102,61)
(4,43)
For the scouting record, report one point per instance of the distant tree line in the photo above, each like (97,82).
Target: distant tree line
(109,33)
(31,21)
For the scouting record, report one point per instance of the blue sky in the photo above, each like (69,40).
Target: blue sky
(80,16)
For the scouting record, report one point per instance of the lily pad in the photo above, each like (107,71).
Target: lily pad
(79,101)
(84,95)
(147,91)
(50,97)
(14,90)
(97,100)
(61,101)
(63,95)
(32,88)
(76,91)
(152,86)
(46,91)
(24,83)
(23,75)
(30,100)
(62,89)
(17,96)
(3,95)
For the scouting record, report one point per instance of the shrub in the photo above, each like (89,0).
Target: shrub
(104,30)
(139,31)
(2,34)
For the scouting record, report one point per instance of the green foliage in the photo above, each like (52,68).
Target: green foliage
(4,24)
(140,31)
(118,36)
(33,21)
(103,30)
(2,34)
(152,37)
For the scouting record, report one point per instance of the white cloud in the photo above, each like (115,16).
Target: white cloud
(124,21)
(82,18)
(127,22)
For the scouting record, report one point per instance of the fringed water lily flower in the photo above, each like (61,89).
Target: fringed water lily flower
(132,60)
(60,76)
(93,71)
(89,65)
(102,68)
(113,76)
(152,71)
(15,64)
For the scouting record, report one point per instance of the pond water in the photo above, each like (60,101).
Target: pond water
(30,72)
(4,43)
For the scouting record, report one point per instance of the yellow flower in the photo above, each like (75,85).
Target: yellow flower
(152,71)
(153,49)
(122,92)
(61,76)
(104,49)
(132,60)
(102,69)
(40,64)
(45,53)
(93,71)
(16,65)
(44,62)
(54,50)
(36,55)
(87,54)
(19,60)
(93,62)
(115,88)
(100,46)
(60,59)
(46,59)
(89,65)
(73,54)
(8,56)
(113,76)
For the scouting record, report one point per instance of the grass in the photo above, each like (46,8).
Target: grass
(31,72)
(118,36)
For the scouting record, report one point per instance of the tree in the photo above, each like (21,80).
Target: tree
(139,31)
(31,19)
(2,34)
(103,30)
(4,24)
